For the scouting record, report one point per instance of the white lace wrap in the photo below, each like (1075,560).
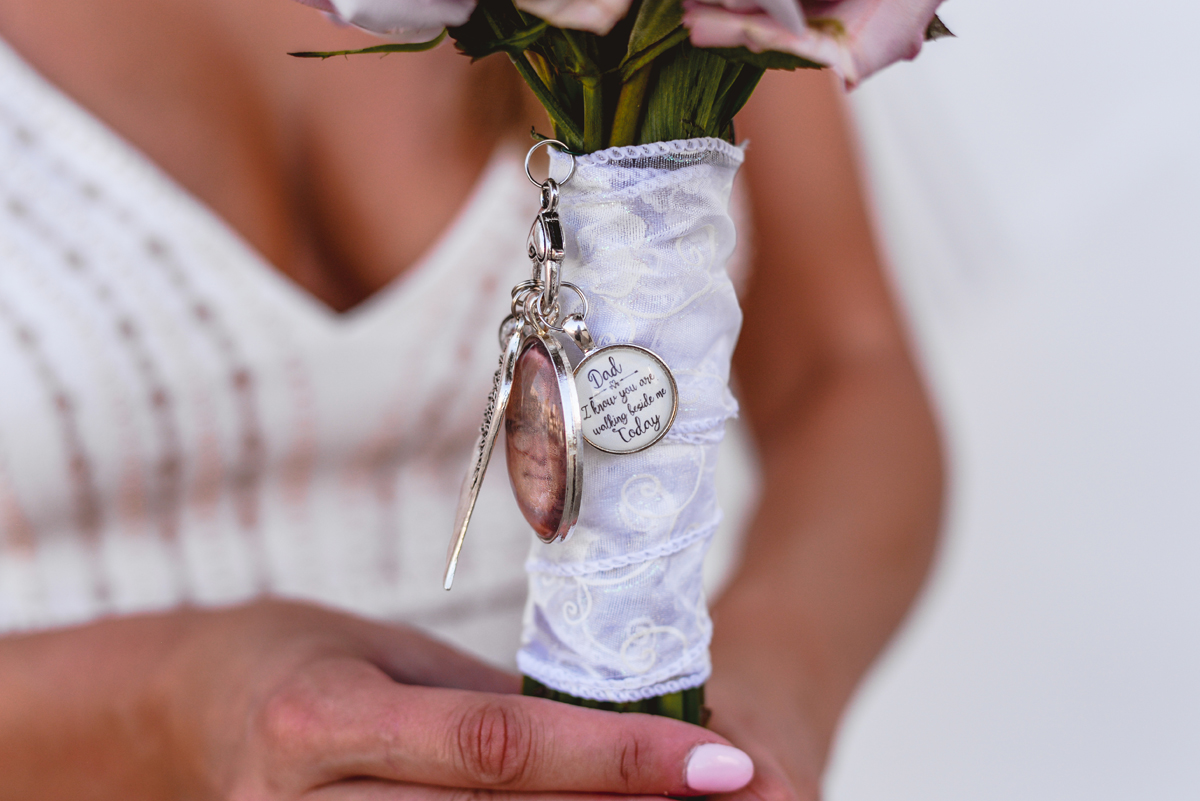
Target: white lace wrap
(618,612)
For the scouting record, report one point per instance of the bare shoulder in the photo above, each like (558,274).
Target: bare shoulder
(172,80)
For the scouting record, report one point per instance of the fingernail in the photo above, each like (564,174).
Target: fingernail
(716,768)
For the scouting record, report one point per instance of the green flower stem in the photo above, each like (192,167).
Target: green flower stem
(540,67)
(630,107)
(593,114)
(687,706)
(564,127)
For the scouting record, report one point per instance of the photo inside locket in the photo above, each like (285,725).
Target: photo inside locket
(536,441)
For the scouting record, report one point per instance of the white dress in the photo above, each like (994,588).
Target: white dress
(181,424)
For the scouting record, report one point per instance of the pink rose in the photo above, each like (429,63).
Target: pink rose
(421,20)
(402,20)
(597,16)
(853,37)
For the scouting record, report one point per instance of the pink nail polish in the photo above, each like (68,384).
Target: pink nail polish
(716,768)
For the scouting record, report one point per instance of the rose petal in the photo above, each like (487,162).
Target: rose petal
(715,27)
(867,35)
(401,20)
(320,5)
(881,32)
(597,16)
(786,13)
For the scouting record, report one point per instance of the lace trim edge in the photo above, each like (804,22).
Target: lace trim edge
(698,145)
(621,691)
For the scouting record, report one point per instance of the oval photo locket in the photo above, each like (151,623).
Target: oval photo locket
(541,436)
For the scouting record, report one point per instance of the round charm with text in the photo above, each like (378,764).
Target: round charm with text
(627,398)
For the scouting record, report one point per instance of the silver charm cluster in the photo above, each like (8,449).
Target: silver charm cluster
(619,398)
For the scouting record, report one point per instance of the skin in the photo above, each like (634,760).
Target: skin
(313,162)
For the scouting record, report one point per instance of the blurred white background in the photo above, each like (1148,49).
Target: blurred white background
(1038,187)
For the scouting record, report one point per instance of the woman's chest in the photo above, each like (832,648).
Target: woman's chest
(340,175)
(180,421)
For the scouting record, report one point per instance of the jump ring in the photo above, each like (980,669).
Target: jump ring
(546,143)
(579,294)
(550,195)
(582,297)
(548,317)
(533,314)
(525,286)
(519,293)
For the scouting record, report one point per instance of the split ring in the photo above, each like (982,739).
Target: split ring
(532,313)
(520,292)
(546,143)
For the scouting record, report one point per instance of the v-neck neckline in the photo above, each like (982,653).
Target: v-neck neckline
(492,179)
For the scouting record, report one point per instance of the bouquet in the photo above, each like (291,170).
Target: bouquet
(612,73)
(614,409)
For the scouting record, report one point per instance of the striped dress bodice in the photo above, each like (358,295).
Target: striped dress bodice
(181,424)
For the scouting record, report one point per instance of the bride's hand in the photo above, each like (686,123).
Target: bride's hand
(287,701)
(282,701)
(769,726)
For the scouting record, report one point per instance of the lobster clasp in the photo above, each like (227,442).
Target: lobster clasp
(545,246)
